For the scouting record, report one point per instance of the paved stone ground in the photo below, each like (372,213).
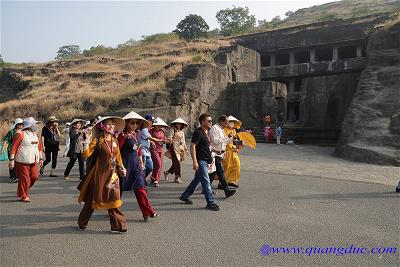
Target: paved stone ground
(289,196)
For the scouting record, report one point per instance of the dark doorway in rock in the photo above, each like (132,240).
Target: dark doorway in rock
(323,54)
(233,74)
(302,57)
(347,52)
(297,85)
(282,59)
(293,112)
(265,60)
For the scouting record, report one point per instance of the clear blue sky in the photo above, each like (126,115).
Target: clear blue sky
(32,31)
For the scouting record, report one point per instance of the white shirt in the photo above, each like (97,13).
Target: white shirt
(219,139)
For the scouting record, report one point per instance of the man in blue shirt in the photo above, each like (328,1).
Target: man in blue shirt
(145,139)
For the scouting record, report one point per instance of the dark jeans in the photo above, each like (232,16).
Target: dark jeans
(148,164)
(71,164)
(201,176)
(51,156)
(220,172)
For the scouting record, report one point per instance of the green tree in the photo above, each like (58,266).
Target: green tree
(235,20)
(96,50)
(192,27)
(276,20)
(68,51)
(1,59)
(289,13)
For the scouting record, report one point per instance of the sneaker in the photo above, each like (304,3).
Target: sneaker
(53,175)
(154,215)
(66,177)
(233,185)
(178,180)
(213,207)
(229,193)
(156,184)
(81,228)
(14,180)
(122,231)
(186,200)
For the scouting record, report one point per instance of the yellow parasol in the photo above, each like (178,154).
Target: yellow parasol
(248,139)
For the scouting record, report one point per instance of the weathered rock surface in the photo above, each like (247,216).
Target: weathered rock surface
(370,131)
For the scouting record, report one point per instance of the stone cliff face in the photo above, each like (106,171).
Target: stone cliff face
(325,100)
(199,86)
(371,128)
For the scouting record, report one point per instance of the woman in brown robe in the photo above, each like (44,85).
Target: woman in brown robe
(101,189)
(177,149)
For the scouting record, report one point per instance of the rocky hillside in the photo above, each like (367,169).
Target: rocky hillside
(87,87)
(371,128)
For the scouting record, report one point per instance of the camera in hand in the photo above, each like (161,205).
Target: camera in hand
(237,142)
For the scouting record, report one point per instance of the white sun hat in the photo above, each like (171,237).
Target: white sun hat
(17,121)
(159,122)
(134,116)
(29,122)
(181,121)
(237,122)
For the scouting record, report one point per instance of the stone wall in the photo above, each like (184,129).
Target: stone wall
(370,131)
(324,100)
(200,85)
(312,34)
(251,101)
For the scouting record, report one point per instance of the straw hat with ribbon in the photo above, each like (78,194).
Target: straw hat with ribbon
(51,119)
(119,124)
(159,122)
(181,121)
(134,116)
(29,122)
(17,121)
(237,122)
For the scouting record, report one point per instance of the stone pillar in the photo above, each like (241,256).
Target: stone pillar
(335,54)
(359,51)
(312,55)
(272,60)
(291,87)
(291,58)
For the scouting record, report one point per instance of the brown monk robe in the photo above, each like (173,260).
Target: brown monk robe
(101,188)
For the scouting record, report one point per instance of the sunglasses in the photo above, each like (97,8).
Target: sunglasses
(209,121)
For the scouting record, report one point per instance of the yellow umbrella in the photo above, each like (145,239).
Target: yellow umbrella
(248,139)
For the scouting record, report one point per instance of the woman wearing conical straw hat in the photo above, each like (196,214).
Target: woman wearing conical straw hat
(51,142)
(75,151)
(157,152)
(131,153)
(8,141)
(231,163)
(177,149)
(25,155)
(101,189)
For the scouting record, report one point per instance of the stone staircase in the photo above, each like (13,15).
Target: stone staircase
(301,135)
